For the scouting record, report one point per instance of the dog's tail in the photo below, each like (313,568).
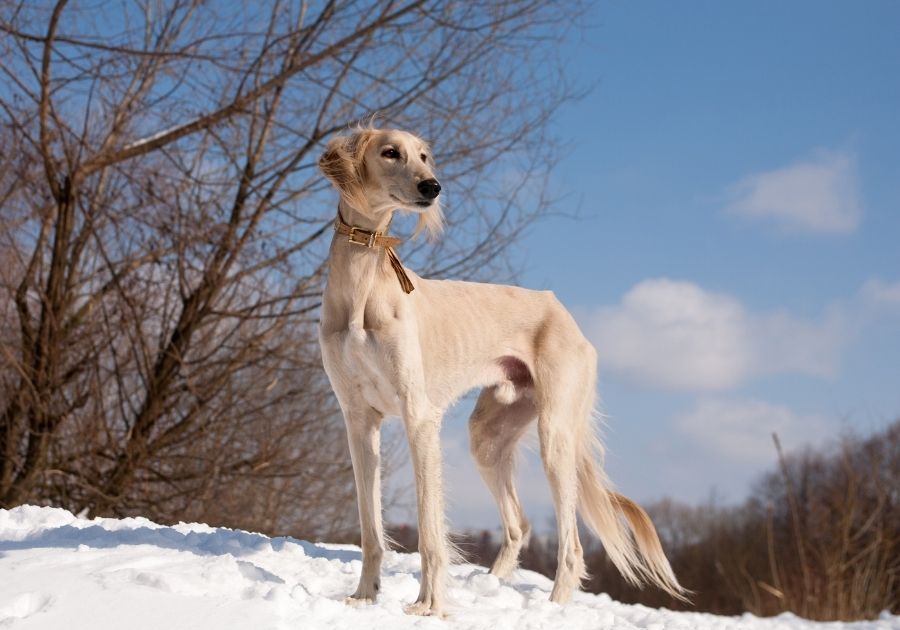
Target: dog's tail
(631,542)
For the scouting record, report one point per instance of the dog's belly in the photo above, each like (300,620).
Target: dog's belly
(364,380)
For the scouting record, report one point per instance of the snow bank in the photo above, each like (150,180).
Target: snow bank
(61,572)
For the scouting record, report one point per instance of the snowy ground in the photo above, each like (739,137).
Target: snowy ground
(64,573)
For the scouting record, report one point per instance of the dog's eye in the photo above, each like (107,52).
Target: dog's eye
(424,158)
(391,154)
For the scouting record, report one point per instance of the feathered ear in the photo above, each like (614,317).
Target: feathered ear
(343,164)
(335,163)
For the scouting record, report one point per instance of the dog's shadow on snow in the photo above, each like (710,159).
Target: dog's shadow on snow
(217,542)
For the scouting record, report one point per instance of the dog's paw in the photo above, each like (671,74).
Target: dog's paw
(356,602)
(422,609)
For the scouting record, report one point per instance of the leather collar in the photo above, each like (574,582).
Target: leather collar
(366,238)
(369,239)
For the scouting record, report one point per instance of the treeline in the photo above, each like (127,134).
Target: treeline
(819,536)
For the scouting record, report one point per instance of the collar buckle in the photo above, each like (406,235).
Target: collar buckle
(362,237)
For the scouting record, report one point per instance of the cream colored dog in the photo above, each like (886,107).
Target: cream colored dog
(388,351)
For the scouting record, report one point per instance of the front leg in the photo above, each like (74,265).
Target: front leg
(422,429)
(401,361)
(364,436)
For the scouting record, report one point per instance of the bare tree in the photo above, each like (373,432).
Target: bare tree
(165,229)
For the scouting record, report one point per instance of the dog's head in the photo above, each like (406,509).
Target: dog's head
(380,170)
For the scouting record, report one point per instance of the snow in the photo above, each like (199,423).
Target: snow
(61,572)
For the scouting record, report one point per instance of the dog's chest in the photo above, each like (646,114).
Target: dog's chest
(363,375)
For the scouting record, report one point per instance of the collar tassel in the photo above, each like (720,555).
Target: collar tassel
(405,283)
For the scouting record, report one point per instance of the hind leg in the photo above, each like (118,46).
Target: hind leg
(494,431)
(559,454)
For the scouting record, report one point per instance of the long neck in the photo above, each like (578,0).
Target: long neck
(367,221)
(352,271)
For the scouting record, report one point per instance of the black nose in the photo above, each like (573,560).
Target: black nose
(429,188)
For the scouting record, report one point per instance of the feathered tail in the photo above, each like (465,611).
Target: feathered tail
(631,543)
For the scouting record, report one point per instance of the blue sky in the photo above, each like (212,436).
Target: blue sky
(736,170)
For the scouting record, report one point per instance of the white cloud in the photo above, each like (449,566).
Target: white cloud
(673,334)
(676,335)
(819,195)
(742,429)
(880,294)
(783,343)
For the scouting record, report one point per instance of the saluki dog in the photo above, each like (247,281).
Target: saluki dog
(397,344)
